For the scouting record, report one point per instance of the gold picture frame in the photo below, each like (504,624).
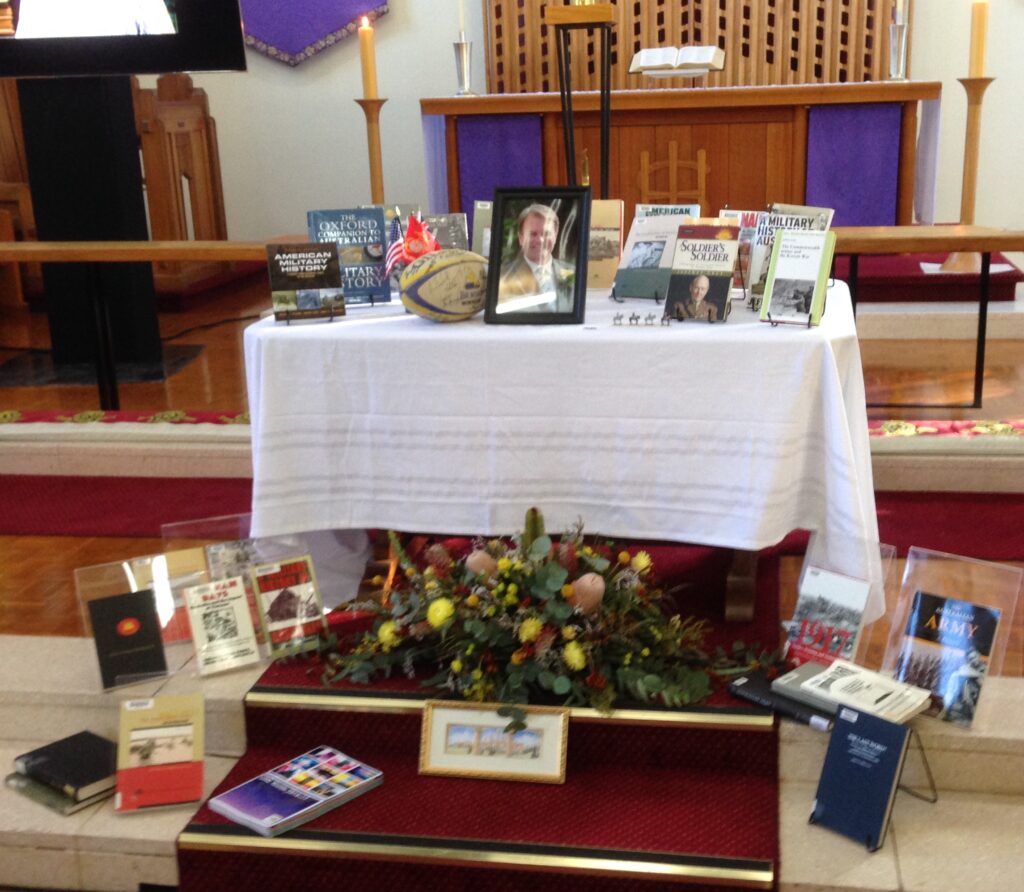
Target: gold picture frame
(469,740)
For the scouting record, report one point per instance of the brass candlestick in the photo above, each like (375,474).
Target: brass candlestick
(371,108)
(969,262)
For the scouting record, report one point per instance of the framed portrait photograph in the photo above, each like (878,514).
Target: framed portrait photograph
(469,740)
(537,270)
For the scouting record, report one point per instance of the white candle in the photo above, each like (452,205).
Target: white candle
(462,18)
(979,34)
(368,59)
(899,12)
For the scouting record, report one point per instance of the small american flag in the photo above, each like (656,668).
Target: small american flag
(395,242)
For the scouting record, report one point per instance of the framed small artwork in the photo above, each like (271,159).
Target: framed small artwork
(538,257)
(470,740)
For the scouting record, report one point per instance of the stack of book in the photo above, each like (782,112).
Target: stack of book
(69,774)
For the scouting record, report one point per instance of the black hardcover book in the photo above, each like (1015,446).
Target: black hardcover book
(127,634)
(756,687)
(80,766)
(51,798)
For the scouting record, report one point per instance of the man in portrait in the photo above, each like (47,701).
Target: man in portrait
(535,271)
(695,305)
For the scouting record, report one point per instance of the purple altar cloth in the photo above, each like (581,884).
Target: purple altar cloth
(294,31)
(852,161)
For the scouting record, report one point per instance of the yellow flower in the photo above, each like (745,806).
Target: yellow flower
(477,674)
(567,590)
(513,589)
(646,652)
(378,580)
(623,557)
(456,665)
(504,565)
(641,562)
(568,632)
(511,600)
(529,629)
(517,658)
(473,601)
(432,585)
(574,656)
(470,648)
(410,572)
(627,659)
(428,572)
(440,611)
(387,635)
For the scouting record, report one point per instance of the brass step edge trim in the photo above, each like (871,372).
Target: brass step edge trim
(753,720)
(754,878)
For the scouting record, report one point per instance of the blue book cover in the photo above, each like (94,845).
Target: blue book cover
(296,791)
(860,776)
(361,239)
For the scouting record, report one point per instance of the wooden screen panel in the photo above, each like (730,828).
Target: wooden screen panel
(766,42)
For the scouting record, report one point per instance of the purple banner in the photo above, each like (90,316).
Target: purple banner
(294,31)
(853,158)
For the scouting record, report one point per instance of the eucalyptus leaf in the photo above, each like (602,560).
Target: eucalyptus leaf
(546,679)
(540,548)
(562,685)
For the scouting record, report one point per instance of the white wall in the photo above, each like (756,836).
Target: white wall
(292,139)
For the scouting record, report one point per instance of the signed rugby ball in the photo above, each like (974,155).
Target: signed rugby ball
(446,286)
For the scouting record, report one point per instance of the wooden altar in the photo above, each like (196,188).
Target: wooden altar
(849,146)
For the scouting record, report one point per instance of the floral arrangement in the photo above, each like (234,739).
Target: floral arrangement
(531,618)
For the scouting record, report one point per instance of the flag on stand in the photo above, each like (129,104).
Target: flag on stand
(419,240)
(395,245)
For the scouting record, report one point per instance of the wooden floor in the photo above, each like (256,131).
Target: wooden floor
(36,573)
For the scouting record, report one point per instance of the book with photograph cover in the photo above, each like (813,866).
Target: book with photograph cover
(827,617)
(301,789)
(50,797)
(605,243)
(702,270)
(305,281)
(946,648)
(80,766)
(645,269)
(860,776)
(846,684)
(798,277)
(792,217)
(449,229)
(126,631)
(360,236)
(160,752)
(290,605)
(222,628)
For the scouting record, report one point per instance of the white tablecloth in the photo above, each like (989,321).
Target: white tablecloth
(723,434)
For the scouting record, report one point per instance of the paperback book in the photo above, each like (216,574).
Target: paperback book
(793,217)
(827,617)
(126,631)
(748,223)
(222,628)
(482,213)
(160,752)
(643,211)
(702,270)
(860,776)
(645,269)
(946,648)
(291,608)
(80,767)
(798,277)
(305,281)
(360,236)
(297,791)
(605,242)
(845,684)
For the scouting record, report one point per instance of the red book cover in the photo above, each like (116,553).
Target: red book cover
(160,752)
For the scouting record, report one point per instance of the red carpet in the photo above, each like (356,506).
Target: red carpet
(898,277)
(988,526)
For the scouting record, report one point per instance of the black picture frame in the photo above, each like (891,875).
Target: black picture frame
(513,295)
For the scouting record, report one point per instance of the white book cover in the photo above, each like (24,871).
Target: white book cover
(854,686)
(222,629)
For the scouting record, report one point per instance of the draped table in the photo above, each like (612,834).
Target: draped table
(718,434)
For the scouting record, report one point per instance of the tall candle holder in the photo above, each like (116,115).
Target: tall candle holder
(371,108)
(975,87)
(463,50)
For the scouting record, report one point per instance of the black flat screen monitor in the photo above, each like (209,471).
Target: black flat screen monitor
(59,38)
